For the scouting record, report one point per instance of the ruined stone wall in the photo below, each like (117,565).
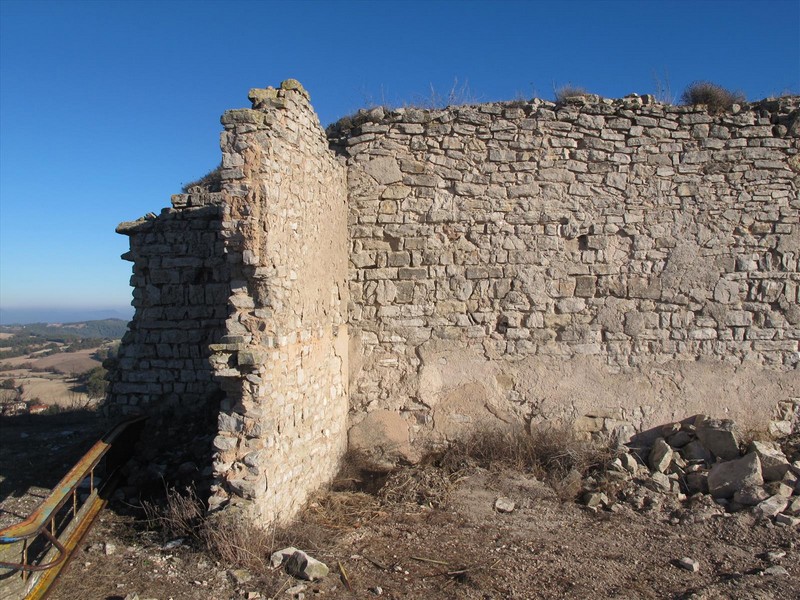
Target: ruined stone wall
(181,286)
(612,263)
(283,362)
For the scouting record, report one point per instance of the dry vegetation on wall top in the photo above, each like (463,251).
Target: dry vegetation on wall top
(715,97)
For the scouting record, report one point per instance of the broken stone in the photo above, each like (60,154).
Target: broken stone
(774,464)
(778,488)
(719,437)
(750,495)
(297,590)
(792,480)
(726,478)
(240,576)
(281,556)
(302,566)
(660,456)
(697,482)
(504,505)
(695,451)
(595,499)
(794,507)
(660,482)
(775,570)
(629,463)
(679,439)
(774,556)
(770,507)
(689,564)
(787,520)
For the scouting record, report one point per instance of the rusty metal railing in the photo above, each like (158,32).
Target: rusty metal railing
(35,550)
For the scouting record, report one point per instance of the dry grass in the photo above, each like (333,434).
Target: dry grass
(178,515)
(567,91)
(210,182)
(555,455)
(715,97)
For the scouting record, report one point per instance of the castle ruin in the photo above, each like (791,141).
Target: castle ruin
(412,275)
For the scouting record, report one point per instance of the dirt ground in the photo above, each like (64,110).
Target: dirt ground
(422,533)
(36,451)
(545,548)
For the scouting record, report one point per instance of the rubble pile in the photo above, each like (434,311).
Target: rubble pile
(705,463)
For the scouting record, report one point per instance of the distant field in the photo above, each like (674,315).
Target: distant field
(67,363)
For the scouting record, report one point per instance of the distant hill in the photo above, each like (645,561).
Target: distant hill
(21,315)
(103,328)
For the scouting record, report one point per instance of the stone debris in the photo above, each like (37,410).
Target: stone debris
(773,462)
(775,570)
(719,437)
(771,507)
(689,564)
(660,456)
(299,564)
(774,556)
(596,500)
(297,592)
(692,474)
(787,520)
(504,505)
(726,478)
(240,576)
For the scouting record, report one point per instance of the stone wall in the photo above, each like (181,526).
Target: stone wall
(610,263)
(240,297)
(283,361)
(181,284)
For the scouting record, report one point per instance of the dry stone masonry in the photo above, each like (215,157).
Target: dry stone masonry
(415,274)
(613,263)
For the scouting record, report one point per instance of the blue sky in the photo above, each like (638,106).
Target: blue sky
(106,108)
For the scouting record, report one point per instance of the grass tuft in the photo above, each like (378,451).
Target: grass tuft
(567,91)
(715,97)
(210,182)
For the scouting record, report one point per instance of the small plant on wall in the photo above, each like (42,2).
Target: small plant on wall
(715,97)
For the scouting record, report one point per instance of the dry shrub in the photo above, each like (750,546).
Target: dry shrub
(238,543)
(210,182)
(424,485)
(555,455)
(178,515)
(715,97)
(343,510)
(567,91)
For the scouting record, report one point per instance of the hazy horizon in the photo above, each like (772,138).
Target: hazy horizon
(44,314)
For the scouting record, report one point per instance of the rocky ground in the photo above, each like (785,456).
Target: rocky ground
(469,529)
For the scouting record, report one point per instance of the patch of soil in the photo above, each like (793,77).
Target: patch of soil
(401,547)
(36,451)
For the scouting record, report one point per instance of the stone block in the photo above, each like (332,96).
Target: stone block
(774,464)
(660,456)
(770,507)
(727,478)
(719,436)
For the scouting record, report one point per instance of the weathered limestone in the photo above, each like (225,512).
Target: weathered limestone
(241,296)
(612,264)
(727,478)
(533,262)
